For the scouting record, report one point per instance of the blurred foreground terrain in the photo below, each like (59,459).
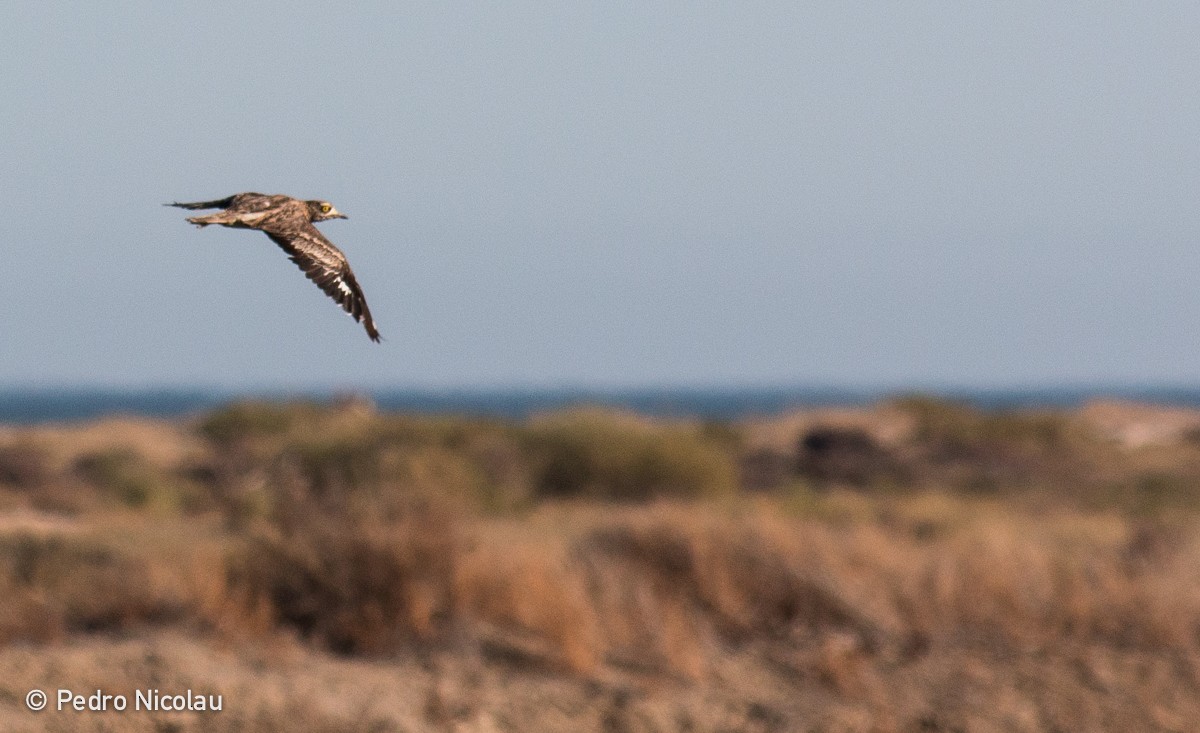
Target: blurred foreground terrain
(915,565)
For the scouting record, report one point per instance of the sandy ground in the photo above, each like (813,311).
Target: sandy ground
(284,687)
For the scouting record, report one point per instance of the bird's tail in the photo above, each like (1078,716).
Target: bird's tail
(218,204)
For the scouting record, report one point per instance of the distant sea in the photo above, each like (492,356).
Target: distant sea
(28,406)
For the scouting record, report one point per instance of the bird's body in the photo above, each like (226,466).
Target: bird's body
(289,223)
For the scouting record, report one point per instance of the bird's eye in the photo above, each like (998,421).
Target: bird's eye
(325,208)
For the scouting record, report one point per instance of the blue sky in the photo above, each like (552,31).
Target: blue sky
(607,194)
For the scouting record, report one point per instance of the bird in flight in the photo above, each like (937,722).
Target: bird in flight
(289,223)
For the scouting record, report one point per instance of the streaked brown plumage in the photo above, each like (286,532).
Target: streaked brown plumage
(289,223)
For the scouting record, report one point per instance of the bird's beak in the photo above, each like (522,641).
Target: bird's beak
(340,215)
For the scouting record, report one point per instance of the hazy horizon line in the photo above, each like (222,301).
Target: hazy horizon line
(47,405)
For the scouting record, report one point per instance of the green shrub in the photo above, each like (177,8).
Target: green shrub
(988,451)
(125,477)
(604,455)
(247,420)
(957,427)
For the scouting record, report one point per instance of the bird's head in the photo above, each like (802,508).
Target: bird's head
(322,210)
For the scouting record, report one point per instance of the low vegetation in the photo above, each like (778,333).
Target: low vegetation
(876,569)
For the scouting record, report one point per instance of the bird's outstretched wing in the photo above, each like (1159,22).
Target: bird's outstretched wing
(326,266)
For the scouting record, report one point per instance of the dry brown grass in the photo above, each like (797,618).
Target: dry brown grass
(354,588)
(59,582)
(389,543)
(868,620)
